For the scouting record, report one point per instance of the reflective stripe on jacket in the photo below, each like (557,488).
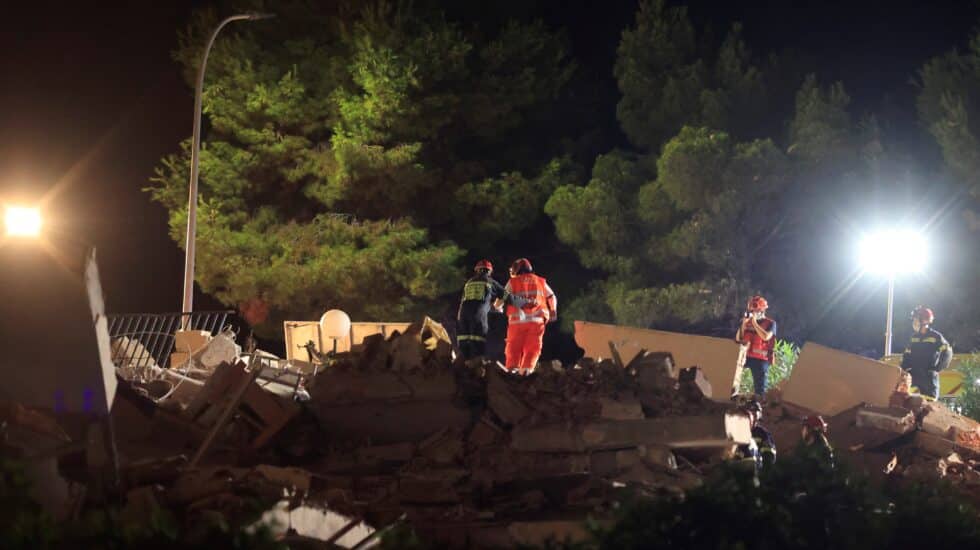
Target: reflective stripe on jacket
(538,299)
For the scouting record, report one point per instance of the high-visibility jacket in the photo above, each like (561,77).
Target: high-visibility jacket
(759,348)
(479,293)
(539,302)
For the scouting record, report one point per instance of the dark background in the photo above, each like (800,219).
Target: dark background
(91,100)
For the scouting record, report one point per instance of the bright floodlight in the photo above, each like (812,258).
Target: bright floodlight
(891,252)
(22,222)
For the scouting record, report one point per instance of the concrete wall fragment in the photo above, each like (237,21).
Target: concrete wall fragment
(830,381)
(298,333)
(717,357)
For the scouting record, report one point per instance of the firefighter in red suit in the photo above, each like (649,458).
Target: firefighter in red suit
(526,324)
(758,333)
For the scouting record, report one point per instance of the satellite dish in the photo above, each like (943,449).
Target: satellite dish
(335,324)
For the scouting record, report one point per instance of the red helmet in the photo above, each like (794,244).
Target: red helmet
(758,303)
(483,264)
(521,265)
(923,314)
(815,422)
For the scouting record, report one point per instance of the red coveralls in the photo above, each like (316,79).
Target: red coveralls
(525,325)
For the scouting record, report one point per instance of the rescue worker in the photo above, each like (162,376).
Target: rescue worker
(814,439)
(533,306)
(926,354)
(479,294)
(758,333)
(761,451)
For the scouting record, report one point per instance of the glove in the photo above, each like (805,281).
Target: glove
(552,316)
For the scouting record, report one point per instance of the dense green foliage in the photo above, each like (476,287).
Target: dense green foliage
(968,403)
(702,216)
(346,145)
(799,503)
(949,107)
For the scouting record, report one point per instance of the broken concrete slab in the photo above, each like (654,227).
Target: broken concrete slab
(383,422)
(658,456)
(443,447)
(829,381)
(722,430)
(379,454)
(620,409)
(654,370)
(295,479)
(940,420)
(502,401)
(717,356)
(607,463)
(266,413)
(336,386)
(423,341)
(934,444)
(485,432)
(693,384)
(538,533)
(889,419)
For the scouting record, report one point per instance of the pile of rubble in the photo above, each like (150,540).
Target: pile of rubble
(399,431)
(913,439)
(466,453)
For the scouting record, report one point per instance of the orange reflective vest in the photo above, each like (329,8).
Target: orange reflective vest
(539,302)
(759,348)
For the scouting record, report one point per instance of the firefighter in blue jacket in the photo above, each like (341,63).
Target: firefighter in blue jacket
(761,451)
(479,295)
(926,354)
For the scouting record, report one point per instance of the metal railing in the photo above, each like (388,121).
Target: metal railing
(147,339)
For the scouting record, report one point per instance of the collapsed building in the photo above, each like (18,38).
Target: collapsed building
(393,429)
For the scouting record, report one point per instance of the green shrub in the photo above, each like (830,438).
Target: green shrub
(786,355)
(968,403)
(799,503)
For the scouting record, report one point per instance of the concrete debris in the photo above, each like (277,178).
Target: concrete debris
(891,419)
(466,453)
(693,384)
(502,402)
(675,432)
(656,456)
(828,381)
(263,413)
(941,421)
(615,409)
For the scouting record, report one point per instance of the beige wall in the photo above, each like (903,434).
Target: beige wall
(717,357)
(298,333)
(829,381)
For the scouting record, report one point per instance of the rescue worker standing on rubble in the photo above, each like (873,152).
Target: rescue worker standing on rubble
(761,451)
(534,306)
(479,294)
(758,333)
(814,439)
(926,354)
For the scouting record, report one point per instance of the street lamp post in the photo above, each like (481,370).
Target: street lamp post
(889,315)
(188,302)
(890,253)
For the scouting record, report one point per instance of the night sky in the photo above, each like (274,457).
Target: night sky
(91,100)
